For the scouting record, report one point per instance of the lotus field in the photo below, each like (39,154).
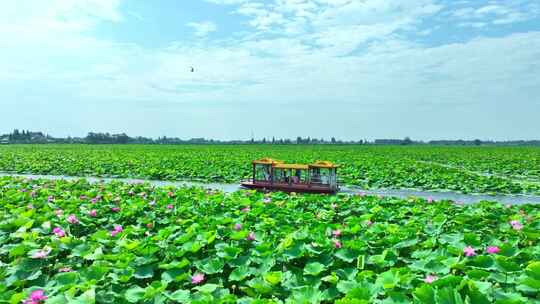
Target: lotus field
(463,169)
(76,242)
(112,242)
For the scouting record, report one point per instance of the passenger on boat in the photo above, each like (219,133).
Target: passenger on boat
(297,176)
(316,177)
(266,174)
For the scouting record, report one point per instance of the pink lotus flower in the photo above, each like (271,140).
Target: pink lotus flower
(41,254)
(237,226)
(516,225)
(362,194)
(92,213)
(59,232)
(246,209)
(36,297)
(115,209)
(72,219)
(336,233)
(430,200)
(337,243)
(170,206)
(197,278)
(117,229)
(493,250)
(50,199)
(469,251)
(82,197)
(369,223)
(170,194)
(251,236)
(149,225)
(65,269)
(430,279)
(94,200)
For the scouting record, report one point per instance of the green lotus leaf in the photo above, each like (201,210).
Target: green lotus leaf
(66,278)
(533,270)
(181,296)
(505,264)
(144,272)
(424,294)
(211,266)
(448,295)
(134,294)
(240,273)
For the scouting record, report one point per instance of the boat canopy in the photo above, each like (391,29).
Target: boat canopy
(281,165)
(267,161)
(291,166)
(323,164)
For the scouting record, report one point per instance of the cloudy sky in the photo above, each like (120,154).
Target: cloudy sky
(352,69)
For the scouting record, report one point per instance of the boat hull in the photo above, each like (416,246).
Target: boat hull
(299,188)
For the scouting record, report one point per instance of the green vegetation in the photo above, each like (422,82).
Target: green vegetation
(75,242)
(514,169)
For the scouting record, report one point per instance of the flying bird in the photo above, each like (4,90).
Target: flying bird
(191,69)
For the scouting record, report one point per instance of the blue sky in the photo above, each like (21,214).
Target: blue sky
(352,69)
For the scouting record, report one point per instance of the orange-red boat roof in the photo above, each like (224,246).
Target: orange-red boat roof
(291,166)
(323,164)
(281,165)
(267,161)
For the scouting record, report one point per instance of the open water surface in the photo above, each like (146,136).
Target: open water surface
(400,193)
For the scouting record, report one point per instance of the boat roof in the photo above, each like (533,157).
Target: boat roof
(281,165)
(291,166)
(323,164)
(267,161)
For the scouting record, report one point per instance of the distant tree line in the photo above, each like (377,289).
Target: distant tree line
(458,142)
(28,137)
(17,137)
(25,136)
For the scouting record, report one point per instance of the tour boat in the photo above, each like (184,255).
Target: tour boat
(274,175)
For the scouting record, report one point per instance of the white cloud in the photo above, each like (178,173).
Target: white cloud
(339,26)
(204,28)
(226,2)
(496,12)
(28,22)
